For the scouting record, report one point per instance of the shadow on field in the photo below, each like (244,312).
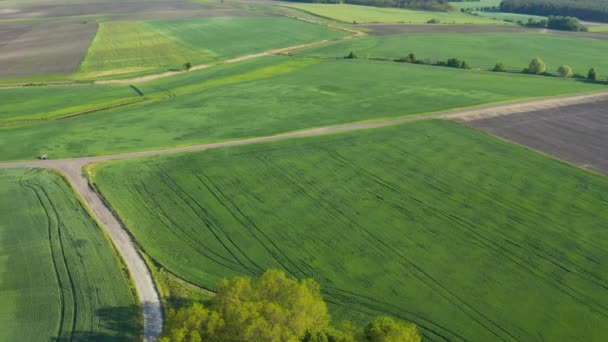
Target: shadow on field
(600,82)
(116,324)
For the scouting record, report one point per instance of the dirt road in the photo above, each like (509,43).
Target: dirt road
(206,66)
(153,319)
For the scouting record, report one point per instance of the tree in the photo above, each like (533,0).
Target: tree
(564,71)
(499,67)
(386,329)
(537,66)
(270,308)
(351,55)
(273,307)
(454,63)
(592,74)
(195,323)
(565,24)
(464,65)
(187,66)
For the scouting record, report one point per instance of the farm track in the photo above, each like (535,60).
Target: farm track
(207,66)
(148,296)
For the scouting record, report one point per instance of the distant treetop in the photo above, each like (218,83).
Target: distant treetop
(591,10)
(431,5)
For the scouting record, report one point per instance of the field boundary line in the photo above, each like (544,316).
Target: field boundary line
(462,115)
(278,51)
(73,115)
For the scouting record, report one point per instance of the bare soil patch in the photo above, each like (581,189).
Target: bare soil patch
(103,7)
(576,133)
(53,47)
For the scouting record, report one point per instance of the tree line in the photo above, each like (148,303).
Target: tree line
(592,10)
(557,23)
(274,307)
(430,5)
(536,67)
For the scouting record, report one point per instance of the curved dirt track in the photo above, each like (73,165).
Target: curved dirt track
(153,319)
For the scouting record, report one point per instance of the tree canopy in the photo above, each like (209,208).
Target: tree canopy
(273,307)
(592,10)
(537,66)
(431,5)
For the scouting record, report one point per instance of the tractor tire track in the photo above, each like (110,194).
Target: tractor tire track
(71,168)
(53,220)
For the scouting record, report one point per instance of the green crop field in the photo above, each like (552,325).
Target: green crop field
(59,277)
(131,47)
(468,236)
(515,50)
(513,17)
(475,4)
(268,96)
(598,28)
(223,38)
(140,47)
(41,103)
(367,14)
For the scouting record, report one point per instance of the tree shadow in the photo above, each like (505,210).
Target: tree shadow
(586,80)
(115,324)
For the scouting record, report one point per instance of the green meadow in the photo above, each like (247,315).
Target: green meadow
(513,17)
(515,50)
(43,103)
(269,96)
(469,237)
(368,14)
(123,47)
(223,38)
(60,279)
(475,4)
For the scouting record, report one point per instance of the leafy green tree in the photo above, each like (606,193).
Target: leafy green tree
(386,329)
(194,323)
(351,55)
(273,307)
(564,71)
(499,67)
(537,66)
(410,58)
(565,24)
(187,66)
(592,74)
(454,63)
(270,308)
(464,65)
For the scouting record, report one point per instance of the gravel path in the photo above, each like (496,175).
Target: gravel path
(153,319)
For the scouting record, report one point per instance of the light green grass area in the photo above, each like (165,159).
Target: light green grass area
(272,95)
(512,17)
(368,14)
(515,50)
(59,277)
(470,237)
(132,48)
(42,103)
(223,38)
(598,28)
(475,4)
